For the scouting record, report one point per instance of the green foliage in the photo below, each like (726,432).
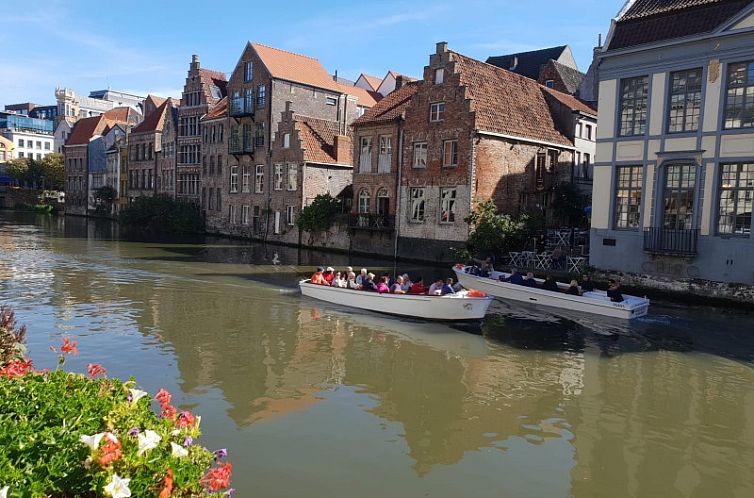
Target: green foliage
(493,233)
(104,197)
(162,215)
(11,337)
(320,215)
(48,172)
(568,203)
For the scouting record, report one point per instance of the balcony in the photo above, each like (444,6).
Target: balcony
(241,107)
(372,222)
(238,146)
(671,242)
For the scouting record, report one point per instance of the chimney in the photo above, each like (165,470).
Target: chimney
(288,105)
(343,150)
(400,80)
(194,61)
(442,47)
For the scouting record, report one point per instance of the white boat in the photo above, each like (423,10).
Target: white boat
(595,302)
(452,307)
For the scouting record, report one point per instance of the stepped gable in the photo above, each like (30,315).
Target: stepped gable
(390,107)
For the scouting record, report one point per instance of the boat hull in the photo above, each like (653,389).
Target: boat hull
(596,303)
(453,308)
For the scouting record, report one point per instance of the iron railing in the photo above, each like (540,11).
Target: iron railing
(371,221)
(671,241)
(241,106)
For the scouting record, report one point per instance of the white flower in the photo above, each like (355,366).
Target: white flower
(4,492)
(148,440)
(178,450)
(198,420)
(92,441)
(118,487)
(136,395)
(175,432)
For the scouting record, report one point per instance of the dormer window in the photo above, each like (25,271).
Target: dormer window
(550,84)
(439,76)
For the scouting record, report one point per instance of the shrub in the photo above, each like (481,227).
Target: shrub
(493,233)
(162,215)
(320,215)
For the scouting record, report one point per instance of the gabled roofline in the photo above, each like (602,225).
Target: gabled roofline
(743,13)
(523,139)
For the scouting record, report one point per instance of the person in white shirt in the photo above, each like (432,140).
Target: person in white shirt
(436,288)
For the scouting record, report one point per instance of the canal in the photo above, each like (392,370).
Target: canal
(315,400)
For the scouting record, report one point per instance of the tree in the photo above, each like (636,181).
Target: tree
(104,198)
(569,204)
(18,169)
(162,215)
(320,215)
(51,168)
(494,234)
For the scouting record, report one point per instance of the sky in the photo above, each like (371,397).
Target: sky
(146,46)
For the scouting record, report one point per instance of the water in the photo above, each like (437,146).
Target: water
(315,400)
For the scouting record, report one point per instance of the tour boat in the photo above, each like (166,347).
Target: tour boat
(461,306)
(595,302)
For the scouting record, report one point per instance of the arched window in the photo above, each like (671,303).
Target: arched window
(364,201)
(383,202)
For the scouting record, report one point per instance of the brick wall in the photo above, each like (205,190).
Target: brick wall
(167,157)
(213,174)
(77,181)
(142,171)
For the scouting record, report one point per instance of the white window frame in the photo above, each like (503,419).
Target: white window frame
(385,157)
(453,145)
(246,179)
(278,178)
(448,204)
(245,214)
(290,215)
(436,112)
(417,205)
(233,179)
(259,179)
(439,76)
(365,155)
(292,176)
(420,160)
(286,140)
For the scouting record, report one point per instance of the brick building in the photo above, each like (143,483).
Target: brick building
(167,158)
(214,129)
(263,83)
(144,147)
(203,89)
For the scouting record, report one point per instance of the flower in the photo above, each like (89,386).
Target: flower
(111,452)
(133,431)
(148,440)
(96,369)
(16,368)
(230,492)
(168,485)
(4,492)
(188,441)
(69,346)
(178,450)
(218,477)
(118,487)
(163,397)
(136,395)
(92,441)
(221,453)
(168,411)
(185,419)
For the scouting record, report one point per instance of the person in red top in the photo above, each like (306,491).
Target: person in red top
(317,278)
(418,287)
(329,275)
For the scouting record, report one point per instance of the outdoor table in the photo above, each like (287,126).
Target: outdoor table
(574,263)
(528,258)
(515,258)
(544,261)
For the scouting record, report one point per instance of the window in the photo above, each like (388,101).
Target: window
(276,226)
(232,214)
(245,214)
(736,194)
(260,135)
(39,144)
(365,155)
(680,188)
(219,203)
(385,158)
(211,165)
(261,95)
(585,167)
(233,179)
(290,215)
(416,209)
(331,101)
(364,201)
(539,170)
(383,202)
(278,178)
(550,83)
(436,111)
(439,76)
(21,143)
(259,180)
(255,214)
(448,205)
(685,102)
(739,101)
(246,179)
(578,130)
(450,153)
(47,145)
(628,196)
(420,155)
(248,71)
(588,129)
(286,140)
(292,176)
(633,106)
(219,164)
(553,157)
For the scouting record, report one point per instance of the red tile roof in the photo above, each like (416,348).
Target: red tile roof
(506,102)
(219,110)
(123,115)
(155,100)
(365,97)
(154,121)
(318,140)
(570,101)
(295,67)
(373,81)
(389,107)
(210,77)
(85,129)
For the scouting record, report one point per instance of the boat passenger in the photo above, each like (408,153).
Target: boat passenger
(407,283)
(317,277)
(397,287)
(613,291)
(574,290)
(436,288)
(362,276)
(586,284)
(351,281)
(418,287)
(329,275)
(529,281)
(338,281)
(550,284)
(448,287)
(382,286)
(485,267)
(369,284)
(515,277)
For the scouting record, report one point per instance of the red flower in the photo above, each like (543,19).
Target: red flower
(163,397)
(168,485)
(168,411)
(16,368)
(110,453)
(218,477)
(185,419)
(96,369)
(69,347)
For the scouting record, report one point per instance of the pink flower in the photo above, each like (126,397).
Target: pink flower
(96,369)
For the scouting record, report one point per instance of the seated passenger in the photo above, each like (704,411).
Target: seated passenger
(529,281)
(407,283)
(382,286)
(515,277)
(316,278)
(362,276)
(369,284)
(351,281)
(448,287)
(397,287)
(436,288)
(574,290)
(485,267)
(338,281)
(613,291)
(550,284)
(329,275)
(418,287)
(586,284)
